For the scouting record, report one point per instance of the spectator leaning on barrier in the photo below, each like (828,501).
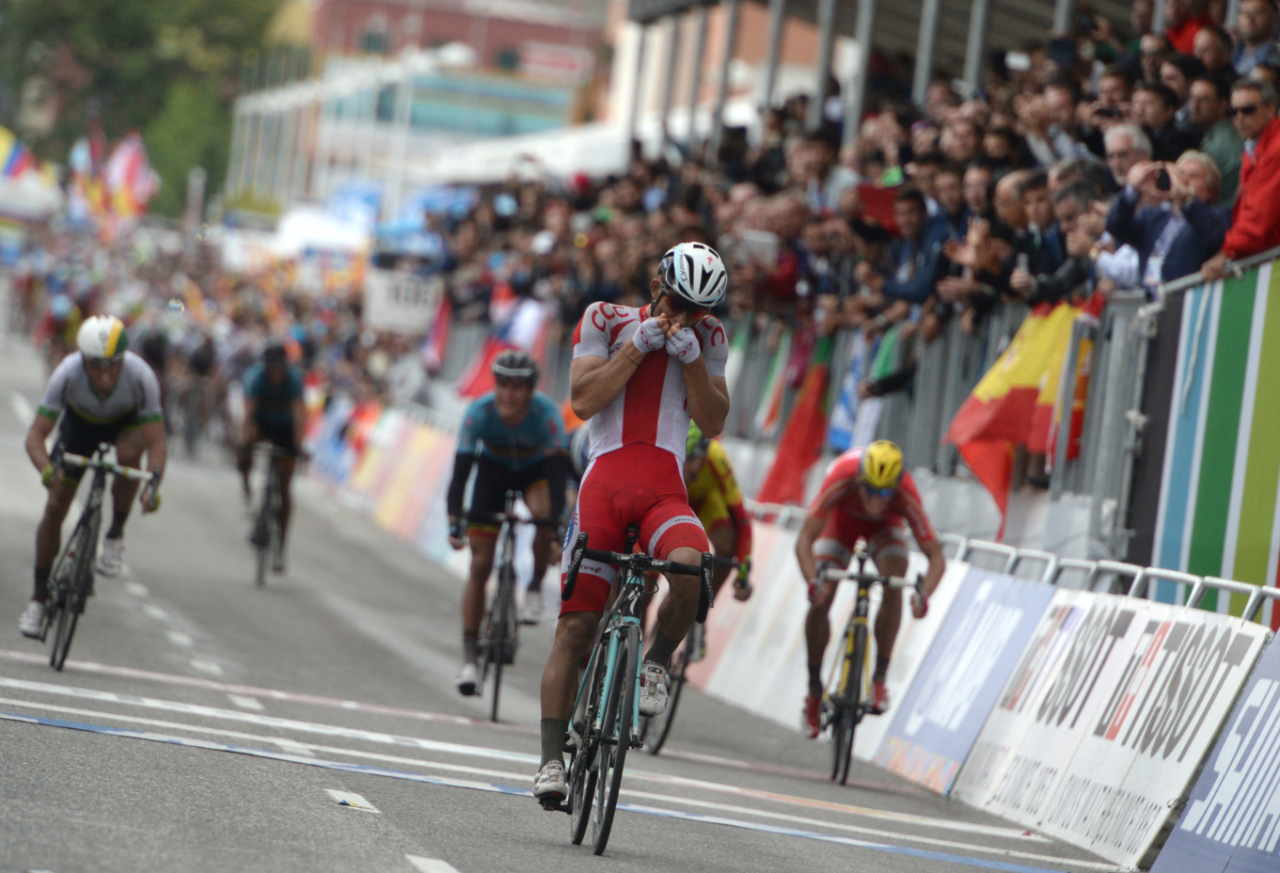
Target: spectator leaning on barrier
(1256,29)
(1255,220)
(916,261)
(1072,272)
(1210,100)
(1181,227)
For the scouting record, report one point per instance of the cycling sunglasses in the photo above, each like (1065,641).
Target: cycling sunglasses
(878,492)
(102,364)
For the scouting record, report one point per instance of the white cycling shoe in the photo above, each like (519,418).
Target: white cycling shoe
(32,622)
(466,680)
(111,561)
(551,783)
(533,608)
(653,689)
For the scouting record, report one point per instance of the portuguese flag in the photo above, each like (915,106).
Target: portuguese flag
(1013,404)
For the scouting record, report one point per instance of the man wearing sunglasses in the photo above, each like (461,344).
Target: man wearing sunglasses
(865,495)
(638,377)
(1255,219)
(102,394)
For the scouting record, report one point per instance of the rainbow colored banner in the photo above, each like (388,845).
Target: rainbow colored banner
(1219,510)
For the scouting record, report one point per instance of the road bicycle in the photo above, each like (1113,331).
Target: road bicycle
(71,580)
(265,536)
(844,709)
(606,714)
(500,635)
(654,731)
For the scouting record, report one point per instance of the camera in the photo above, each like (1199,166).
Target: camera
(1163,182)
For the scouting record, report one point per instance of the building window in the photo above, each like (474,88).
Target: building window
(507,59)
(375,40)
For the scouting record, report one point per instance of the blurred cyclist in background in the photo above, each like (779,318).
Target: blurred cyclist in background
(273,413)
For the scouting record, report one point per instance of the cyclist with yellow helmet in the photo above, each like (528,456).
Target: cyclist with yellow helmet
(716,499)
(865,495)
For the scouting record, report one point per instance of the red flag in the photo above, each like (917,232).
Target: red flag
(804,436)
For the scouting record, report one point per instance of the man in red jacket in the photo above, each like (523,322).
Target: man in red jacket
(1255,221)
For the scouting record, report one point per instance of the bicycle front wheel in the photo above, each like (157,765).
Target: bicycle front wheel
(501,639)
(620,704)
(583,772)
(65,629)
(848,704)
(658,727)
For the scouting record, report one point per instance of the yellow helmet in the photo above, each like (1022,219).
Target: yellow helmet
(881,465)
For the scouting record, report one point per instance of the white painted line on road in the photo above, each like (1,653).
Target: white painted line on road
(351,800)
(633,776)
(311,750)
(509,790)
(178,638)
(295,748)
(206,667)
(430,865)
(155,612)
(137,589)
(250,703)
(22,408)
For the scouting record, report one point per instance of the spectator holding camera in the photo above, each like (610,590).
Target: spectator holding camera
(1175,234)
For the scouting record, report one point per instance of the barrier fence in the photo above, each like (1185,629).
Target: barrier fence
(1030,689)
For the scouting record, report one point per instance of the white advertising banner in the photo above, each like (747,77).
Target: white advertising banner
(1107,717)
(399,300)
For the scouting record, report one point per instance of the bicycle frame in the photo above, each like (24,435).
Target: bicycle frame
(624,612)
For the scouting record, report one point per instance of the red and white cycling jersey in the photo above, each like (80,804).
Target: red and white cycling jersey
(841,496)
(653,408)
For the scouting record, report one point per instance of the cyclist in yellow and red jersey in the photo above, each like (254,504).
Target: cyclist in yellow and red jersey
(865,495)
(717,500)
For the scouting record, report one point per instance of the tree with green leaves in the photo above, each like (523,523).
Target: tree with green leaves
(169,69)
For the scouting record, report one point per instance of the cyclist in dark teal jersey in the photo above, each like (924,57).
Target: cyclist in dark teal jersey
(514,438)
(274,413)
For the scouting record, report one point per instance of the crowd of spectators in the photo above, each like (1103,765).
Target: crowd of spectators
(1112,157)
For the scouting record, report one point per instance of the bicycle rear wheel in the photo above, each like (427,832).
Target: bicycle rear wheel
(264,528)
(616,739)
(848,704)
(658,727)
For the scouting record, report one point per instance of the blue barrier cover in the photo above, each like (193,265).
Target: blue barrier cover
(938,722)
(1232,820)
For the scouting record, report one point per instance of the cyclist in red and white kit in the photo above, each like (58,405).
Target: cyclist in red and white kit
(866,494)
(638,376)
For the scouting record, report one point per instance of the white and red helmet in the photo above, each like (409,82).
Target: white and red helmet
(694,272)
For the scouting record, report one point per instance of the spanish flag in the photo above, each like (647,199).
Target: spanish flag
(1013,404)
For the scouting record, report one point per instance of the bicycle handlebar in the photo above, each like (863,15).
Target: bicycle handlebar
(68,458)
(504,517)
(640,563)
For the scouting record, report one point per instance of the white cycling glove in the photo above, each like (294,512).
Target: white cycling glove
(684,346)
(650,336)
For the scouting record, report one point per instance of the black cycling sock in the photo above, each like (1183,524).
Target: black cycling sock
(882,668)
(118,518)
(815,679)
(470,648)
(553,733)
(41,592)
(661,649)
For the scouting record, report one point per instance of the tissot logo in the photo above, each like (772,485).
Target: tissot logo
(1169,685)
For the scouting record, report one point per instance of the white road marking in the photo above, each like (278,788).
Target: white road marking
(178,638)
(155,612)
(430,865)
(250,703)
(22,408)
(206,667)
(351,799)
(295,748)
(137,589)
(633,776)
(758,827)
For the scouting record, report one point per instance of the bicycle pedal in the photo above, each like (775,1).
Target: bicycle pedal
(554,804)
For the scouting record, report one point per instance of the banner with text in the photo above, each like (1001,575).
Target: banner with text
(1106,718)
(1232,822)
(937,723)
(400,301)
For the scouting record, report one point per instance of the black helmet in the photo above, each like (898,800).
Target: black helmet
(275,353)
(515,364)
